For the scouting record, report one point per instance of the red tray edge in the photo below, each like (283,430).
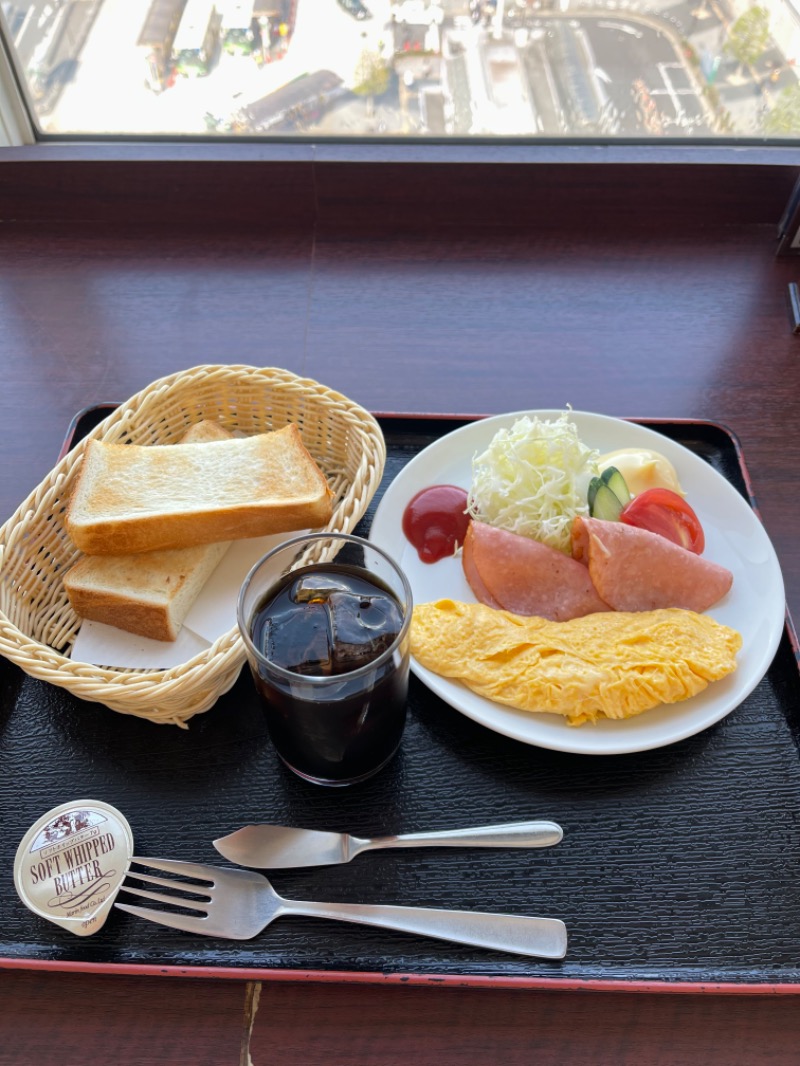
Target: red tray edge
(540,984)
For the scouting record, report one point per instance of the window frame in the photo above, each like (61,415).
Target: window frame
(756,167)
(16,126)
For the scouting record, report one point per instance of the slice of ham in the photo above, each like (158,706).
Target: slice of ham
(525,577)
(471,573)
(636,570)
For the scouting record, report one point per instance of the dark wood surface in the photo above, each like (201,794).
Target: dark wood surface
(678,312)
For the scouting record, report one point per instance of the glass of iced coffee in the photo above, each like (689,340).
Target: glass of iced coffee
(325,620)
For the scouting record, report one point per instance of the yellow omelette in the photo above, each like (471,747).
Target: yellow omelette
(610,665)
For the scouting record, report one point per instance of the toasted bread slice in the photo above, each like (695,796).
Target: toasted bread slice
(150,593)
(132,498)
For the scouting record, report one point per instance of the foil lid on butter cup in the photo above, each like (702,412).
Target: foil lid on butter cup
(71,864)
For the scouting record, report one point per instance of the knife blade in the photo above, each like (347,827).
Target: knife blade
(278,847)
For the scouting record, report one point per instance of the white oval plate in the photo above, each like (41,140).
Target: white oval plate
(755,606)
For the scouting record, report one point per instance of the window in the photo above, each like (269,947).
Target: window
(550,70)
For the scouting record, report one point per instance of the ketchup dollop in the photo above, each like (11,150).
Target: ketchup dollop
(435,521)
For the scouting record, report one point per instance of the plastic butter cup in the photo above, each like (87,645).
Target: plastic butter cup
(71,864)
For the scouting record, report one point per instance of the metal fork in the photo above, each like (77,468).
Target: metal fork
(239,904)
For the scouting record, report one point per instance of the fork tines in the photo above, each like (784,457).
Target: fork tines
(193,897)
(193,871)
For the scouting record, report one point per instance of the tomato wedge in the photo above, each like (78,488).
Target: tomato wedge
(664,512)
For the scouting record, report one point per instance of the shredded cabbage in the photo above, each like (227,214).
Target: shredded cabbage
(533,479)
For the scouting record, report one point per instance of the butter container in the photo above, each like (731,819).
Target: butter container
(71,864)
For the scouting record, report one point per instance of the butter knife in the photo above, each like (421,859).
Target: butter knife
(278,847)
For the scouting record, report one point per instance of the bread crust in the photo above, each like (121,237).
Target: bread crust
(150,620)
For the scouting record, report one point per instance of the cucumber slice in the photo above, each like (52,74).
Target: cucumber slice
(606,504)
(616,482)
(594,485)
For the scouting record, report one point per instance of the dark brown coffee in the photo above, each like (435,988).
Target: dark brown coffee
(333,622)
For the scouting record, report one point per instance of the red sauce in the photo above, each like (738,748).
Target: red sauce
(435,521)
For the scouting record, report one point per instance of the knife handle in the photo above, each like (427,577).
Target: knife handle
(514,835)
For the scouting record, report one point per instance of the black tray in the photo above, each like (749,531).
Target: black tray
(678,867)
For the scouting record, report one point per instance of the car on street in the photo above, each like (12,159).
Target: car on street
(355,8)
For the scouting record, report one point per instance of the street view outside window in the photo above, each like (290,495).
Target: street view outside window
(548,69)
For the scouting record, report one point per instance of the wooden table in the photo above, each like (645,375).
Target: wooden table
(674,313)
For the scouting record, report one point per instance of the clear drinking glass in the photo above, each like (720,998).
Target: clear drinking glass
(325,621)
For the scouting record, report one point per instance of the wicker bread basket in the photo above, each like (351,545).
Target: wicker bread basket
(37,624)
